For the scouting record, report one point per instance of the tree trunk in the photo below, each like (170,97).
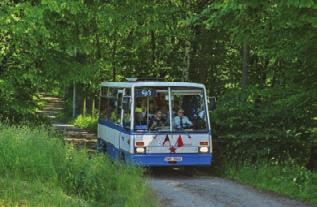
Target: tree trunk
(98,50)
(114,51)
(93,106)
(187,60)
(153,48)
(244,80)
(84,106)
(74,99)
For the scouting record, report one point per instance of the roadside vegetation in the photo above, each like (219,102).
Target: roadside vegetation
(286,179)
(88,122)
(39,170)
(266,140)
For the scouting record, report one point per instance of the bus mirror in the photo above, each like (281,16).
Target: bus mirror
(212,101)
(126,103)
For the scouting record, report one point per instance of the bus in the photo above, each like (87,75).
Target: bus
(155,123)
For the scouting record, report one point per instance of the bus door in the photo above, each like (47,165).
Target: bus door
(126,123)
(118,123)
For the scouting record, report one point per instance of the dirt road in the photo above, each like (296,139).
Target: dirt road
(176,189)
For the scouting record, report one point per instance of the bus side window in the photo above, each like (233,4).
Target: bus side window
(103,104)
(115,97)
(126,106)
(109,108)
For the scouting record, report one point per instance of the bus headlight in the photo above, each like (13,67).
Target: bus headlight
(203,149)
(140,150)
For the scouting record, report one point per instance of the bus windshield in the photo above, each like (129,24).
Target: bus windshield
(183,110)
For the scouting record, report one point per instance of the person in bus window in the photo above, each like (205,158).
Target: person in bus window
(111,114)
(139,116)
(152,107)
(181,121)
(156,121)
(165,113)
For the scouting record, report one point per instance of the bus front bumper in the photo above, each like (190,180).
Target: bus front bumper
(170,159)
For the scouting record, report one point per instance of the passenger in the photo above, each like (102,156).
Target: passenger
(110,113)
(152,107)
(165,113)
(139,117)
(181,121)
(156,121)
(143,107)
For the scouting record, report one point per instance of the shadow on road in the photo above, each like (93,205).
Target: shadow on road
(181,172)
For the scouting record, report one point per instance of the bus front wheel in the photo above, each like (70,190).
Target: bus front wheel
(101,145)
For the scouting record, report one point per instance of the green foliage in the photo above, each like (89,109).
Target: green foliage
(87,122)
(261,124)
(33,156)
(284,178)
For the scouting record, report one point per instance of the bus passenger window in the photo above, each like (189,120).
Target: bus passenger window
(126,106)
(190,107)
(151,109)
(110,105)
(107,110)
(111,113)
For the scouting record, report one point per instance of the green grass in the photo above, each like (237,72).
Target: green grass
(287,179)
(39,170)
(87,122)
(15,192)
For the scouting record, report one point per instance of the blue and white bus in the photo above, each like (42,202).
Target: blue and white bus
(152,123)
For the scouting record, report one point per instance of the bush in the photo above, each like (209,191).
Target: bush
(33,156)
(264,123)
(286,178)
(87,122)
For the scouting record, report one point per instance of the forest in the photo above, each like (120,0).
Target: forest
(258,58)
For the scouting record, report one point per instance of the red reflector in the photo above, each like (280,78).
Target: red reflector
(139,144)
(203,143)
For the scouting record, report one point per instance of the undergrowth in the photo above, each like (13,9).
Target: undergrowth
(87,122)
(39,170)
(286,178)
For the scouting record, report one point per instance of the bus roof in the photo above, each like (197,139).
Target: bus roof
(151,83)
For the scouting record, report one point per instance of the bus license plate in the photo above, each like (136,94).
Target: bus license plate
(167,159)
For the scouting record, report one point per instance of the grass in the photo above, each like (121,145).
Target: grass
(15,192)
(287,179)
(39,170)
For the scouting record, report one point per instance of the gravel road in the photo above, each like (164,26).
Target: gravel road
(176,189)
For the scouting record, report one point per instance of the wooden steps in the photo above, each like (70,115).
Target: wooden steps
(74,136)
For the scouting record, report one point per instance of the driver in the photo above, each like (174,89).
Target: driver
(181,121)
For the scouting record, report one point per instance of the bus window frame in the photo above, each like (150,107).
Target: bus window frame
(123,110)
